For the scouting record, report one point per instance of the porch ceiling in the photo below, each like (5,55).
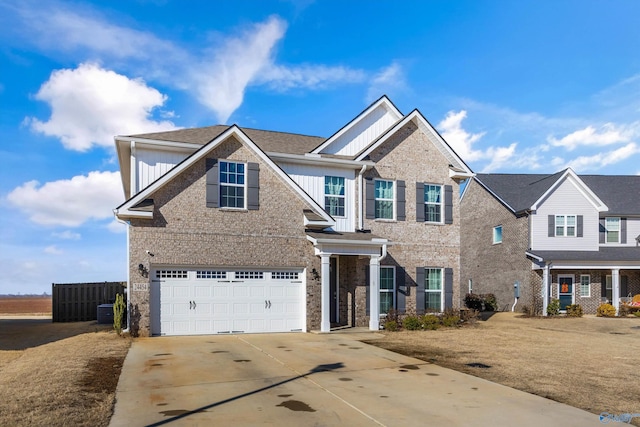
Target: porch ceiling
(347,243)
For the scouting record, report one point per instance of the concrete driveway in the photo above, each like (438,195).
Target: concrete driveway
(312,380)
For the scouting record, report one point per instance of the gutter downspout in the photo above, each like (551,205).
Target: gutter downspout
(126,223)
(361,196)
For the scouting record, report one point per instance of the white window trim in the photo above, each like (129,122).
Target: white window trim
(392,291)
(427,291)
(606,233)
(392,200)
(441,204)
(565,226)
(588,295)
(344,197)
(495,241)
(225,184)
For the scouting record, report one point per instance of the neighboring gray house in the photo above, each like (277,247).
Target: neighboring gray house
(237,230)
(566,236)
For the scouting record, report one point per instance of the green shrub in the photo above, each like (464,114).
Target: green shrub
(553,309)
(450,318)
(118,313)
(490,302)
(430,322)
(412,323)
(636,313)
(574,310)
(391,326)
(473,301)
(606,310)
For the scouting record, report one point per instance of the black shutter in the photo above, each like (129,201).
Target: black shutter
(623,230)
(370,206)
(448,288)
(624,286)
(212,183)
(253,186)
(448,204)
(420,290)
(580,226)
(603,230)
(367,290)
(419,202)
(552,226)
(400,201)
(401,290)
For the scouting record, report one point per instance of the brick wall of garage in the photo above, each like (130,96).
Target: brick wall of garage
(494,268)
(410,156)
(185,233)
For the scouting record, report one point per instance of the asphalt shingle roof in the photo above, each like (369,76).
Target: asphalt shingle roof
(270,141)
(619,253)
(621,193)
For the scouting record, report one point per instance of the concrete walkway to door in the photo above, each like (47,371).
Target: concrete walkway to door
(312,380)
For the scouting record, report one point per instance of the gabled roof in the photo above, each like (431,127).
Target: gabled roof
(615,194)
(455,162)
(279,142)
(131,208)
(383,103)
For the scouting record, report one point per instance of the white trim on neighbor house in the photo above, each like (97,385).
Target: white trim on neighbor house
(124,210)
(318,160)
(582,188)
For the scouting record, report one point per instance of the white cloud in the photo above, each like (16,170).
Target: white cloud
(458,138)
(590,136)
(89,105)
(53,250)
(387,81)
(72,202)
(308,76)
(600,160)
(116,226)
(67,235)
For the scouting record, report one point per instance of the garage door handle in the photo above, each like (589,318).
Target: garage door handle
(190,305)
(266,305)
(194,305)
(269,303)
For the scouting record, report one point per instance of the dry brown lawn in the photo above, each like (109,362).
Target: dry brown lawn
(58,374)
(589,363)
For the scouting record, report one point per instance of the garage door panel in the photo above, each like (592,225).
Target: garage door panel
(254,302)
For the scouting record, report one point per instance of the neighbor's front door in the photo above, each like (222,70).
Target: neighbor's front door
(565,291)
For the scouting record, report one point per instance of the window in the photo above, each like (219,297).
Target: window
(334,195)
(249,275)
(612,229)
(566,225)
(608,287)
(585,285)
(207,274)
(497,234)
(432,203)
(387,289)
(171,274)
(433,289)
(384,198)
(232,184)
(284,275)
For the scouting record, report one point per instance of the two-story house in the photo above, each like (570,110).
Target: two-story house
(566,236)
(234,230)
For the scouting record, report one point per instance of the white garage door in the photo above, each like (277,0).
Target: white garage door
(216,301)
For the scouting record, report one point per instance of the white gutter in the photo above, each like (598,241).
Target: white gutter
(360,197)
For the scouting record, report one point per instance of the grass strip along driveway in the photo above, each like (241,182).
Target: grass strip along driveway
(590,363)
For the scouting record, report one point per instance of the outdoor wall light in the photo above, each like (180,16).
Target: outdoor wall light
(143,270)
(315,274)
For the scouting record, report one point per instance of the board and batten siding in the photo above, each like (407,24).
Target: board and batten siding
(354,140)
(311,179)
(565,200)
(152,164)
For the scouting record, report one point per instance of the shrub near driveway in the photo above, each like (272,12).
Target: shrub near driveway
(589,362)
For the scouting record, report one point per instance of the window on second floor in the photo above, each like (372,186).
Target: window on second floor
(384,199)
(497,234)
(334,196)
(432,203)
(566,225)
(232,184)
(612,230)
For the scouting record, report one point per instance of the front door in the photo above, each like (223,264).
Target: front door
(565,291)
(333,290)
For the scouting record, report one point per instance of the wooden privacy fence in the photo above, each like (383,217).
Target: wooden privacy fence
(78,302)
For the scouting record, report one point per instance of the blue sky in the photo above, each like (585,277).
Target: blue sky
(513,86)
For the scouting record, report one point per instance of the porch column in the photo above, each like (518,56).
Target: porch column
(325,294)
(545,289)
(615,288)
(374,293)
